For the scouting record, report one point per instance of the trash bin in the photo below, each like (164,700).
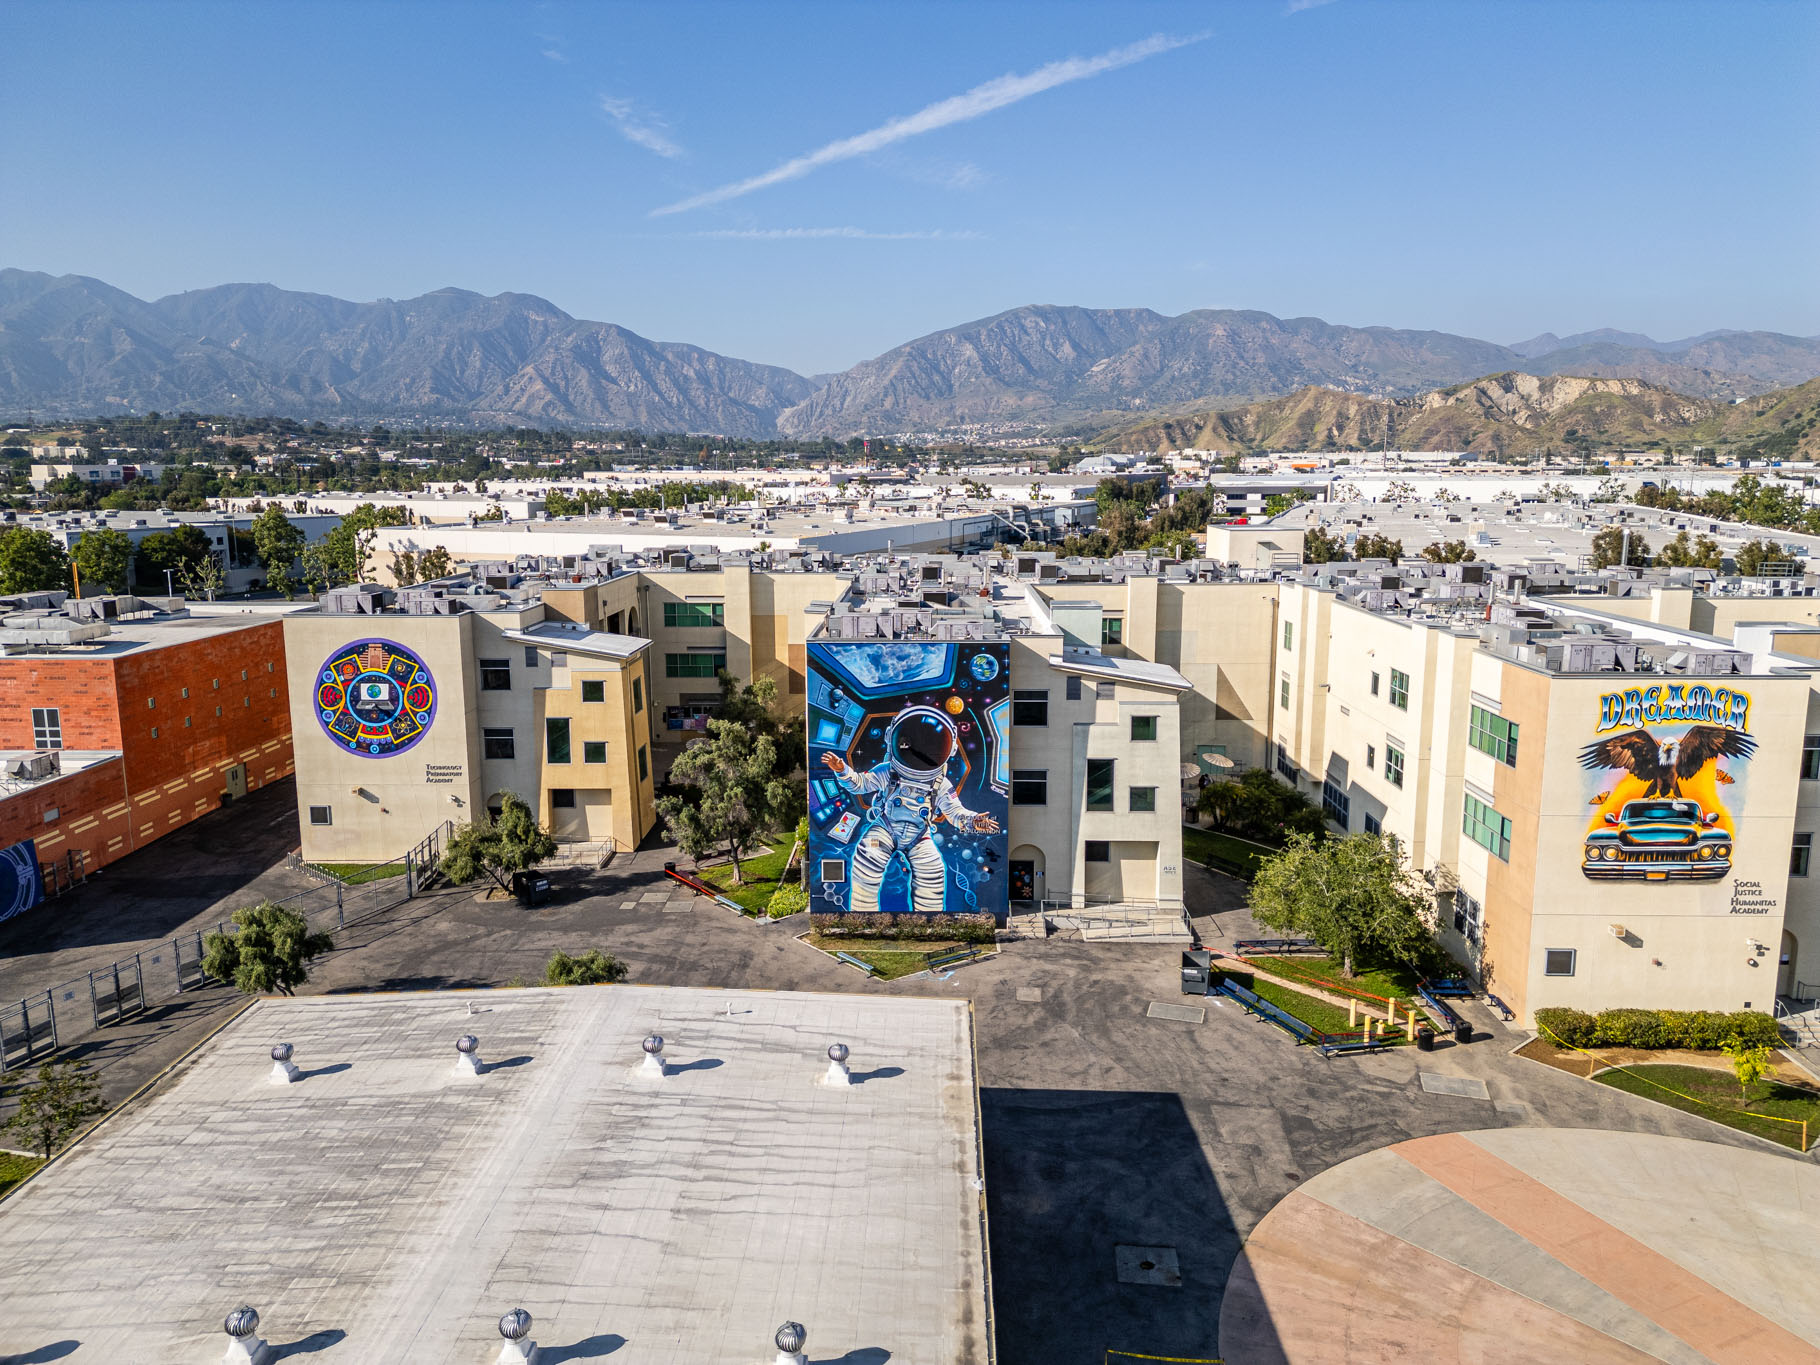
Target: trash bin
(1197,972)
(1462,1032)
(531,888)
(1425,1039)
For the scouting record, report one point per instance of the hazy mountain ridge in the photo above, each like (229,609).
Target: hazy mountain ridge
(1511,413)
(74,346)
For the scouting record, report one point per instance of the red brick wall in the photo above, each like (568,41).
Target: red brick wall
(91,809)
(178,773)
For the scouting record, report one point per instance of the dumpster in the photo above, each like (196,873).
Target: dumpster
(1197,973)
(1425,1039)
(531,888)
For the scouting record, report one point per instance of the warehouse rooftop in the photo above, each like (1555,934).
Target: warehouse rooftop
(388,1204)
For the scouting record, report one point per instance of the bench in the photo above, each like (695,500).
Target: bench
(1499,1006)
(1453,987)
(853,961)
(953,957)
(1271,947)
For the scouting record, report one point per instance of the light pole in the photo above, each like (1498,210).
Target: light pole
(169,589)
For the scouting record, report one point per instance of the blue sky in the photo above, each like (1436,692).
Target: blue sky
(808,185)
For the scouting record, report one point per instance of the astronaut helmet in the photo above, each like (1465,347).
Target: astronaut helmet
(919,743)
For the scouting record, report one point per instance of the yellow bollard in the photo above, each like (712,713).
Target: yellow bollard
(1352,1014)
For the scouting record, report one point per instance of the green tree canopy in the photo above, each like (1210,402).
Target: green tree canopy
(1608,545)
(1257,806)
(1372,545)
(271,952)
(52,1108)
(592,968)
(1681,553)
(1449,552)
(1754,555)
(737,793)
(278,543)
(509,842)
(1318,547)
(181,550)
(32,561)
(755,707)
(104,558)
(1354,896)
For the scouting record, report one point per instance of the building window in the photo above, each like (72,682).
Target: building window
(1485,827)
(644,769)
(638,695)
(695,664)
(559,658)
(1029,787)
(1393,766)
(495,675)
(217,710)
(556,739)
(1374,684)
(1558,961)
(1336,803)
(1283,692)
(1810,758)
(497,744)
(1112,630)
(1074,689)
(321,815)
(594,690)
(1371,756)
(1799,854)
(154,732)
(594,751)
(530,656)
(1030,707)
(1373,825)
(1288,634)
(1143,799)
(1492,734)
(1469,919)
(1099,851)
(1284,766)
(151,704)
(47,727)
(186,693)
(1143,727)
(682,615)
(186,722)
(562,798)
(1399,689)
(1099,783)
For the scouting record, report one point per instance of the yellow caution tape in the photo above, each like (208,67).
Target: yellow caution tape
(1175,1360)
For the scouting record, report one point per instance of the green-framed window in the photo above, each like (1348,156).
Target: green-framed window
(556,739)
(682,615)
(1393,765)
(1485,827)
(1399,689)
(593,689)
(695,664)
(1490,733)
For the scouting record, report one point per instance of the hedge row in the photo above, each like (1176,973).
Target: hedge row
(1703,1029)
(787,900)
(977,928)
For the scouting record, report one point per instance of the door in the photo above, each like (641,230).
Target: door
(1023,879)
(236,783)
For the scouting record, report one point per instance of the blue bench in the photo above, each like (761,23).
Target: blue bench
(1273,946)
(853,961)
(1454,987)
(954,957)
(1327,1043)
(1499,1006)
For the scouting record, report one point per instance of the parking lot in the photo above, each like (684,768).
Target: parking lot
(1104,1127)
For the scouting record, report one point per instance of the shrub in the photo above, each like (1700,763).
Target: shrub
(1573,1028)
(1634,1028)
(974,928)
(1703,1030)
(592,968)
(787,900)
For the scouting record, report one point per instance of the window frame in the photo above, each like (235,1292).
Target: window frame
(1476,826)
(1393,766)
(638,695)
(598,686)
(1810,758)
(552,727)
(1492,735)
(1336,803)
(1801,853)
(562,798)
(686,615)
(1030,697)
(1072,689)
(1109,786)
(589,747)
(47,727)
(328,817)
(493,738)
(1135,797)
(1023,780)
(1112,632)
(674,664)
(1096,850)
(490,672)
(1551,955)
(1399,689)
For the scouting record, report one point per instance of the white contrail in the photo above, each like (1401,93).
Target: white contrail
(640,129)
(982,99)
(853,233)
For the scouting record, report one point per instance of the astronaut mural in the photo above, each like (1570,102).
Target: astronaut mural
(909,772)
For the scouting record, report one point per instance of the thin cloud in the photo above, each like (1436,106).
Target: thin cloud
(640,129)
(551,54)
(1297,6)
(982,99)
(850,233)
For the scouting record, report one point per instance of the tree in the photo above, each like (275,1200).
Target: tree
(1751,559)
(1320,548)
(1608,545)
(738,793)
(1256,805)
(1372,545)
(104,559)
(1679,553)
(52,1108)
(1449,552)
(177,550)
(592,968)
(1354,896)
(1750,1064)
(509,842)
(404,568)
(434,563)
(32,561)
(755,707)
(203,577)
(278,542)
(271,952)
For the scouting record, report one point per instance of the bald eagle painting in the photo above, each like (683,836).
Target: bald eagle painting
(1664,765)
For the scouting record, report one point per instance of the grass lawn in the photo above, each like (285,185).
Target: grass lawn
(1719,1090)
(14,1168)
(1317,1014)
(356,873)
(892,956)
(760,874)
(1391,979)
(1222,851)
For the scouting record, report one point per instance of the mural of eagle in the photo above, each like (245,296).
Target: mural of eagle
(1664,765)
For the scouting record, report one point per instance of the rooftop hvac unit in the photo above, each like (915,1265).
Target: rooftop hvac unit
(32,767)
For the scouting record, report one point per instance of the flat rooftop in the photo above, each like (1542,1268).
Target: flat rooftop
(383,1208)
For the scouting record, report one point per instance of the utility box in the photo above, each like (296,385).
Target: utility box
(1197,973)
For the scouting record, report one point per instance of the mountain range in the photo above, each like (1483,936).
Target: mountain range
(1500,414)
(75,346)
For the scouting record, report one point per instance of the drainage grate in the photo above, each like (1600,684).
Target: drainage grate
(1182,1014)
(1030,995)
(1463,1086)
(1148,1265)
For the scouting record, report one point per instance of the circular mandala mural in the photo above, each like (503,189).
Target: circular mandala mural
(375,698)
